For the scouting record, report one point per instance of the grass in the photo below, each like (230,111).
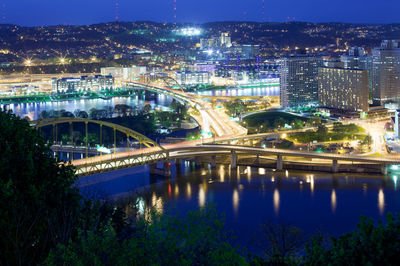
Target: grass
(306,137)
(256,120)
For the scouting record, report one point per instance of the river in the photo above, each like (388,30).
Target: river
(32,110)
(253,91)
(315,202)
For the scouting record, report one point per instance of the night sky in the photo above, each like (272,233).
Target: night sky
(52,12)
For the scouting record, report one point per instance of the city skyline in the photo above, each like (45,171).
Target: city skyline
(46,12)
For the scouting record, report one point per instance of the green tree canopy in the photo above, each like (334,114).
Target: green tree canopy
(37,197)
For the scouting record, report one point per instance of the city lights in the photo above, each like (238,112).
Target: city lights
(28,62)
(189,32)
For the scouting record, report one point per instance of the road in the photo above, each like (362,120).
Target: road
(210,119)
(227,130)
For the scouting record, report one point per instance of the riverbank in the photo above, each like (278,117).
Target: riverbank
(63,97)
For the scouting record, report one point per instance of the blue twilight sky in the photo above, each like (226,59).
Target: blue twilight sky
(51,12)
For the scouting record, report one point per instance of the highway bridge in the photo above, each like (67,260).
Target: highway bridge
(209,118)
(186,150)
(227,131)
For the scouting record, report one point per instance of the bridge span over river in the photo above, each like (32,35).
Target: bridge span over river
(186,150)
(227,131)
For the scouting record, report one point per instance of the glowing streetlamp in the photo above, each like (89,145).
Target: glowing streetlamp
(28,62)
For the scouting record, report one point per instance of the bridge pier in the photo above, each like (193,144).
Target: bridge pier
(196,162)
(257,161)
(167,168)
(213,161)
(279,162)
(335,166)
(165,171)
(178,165)
(233,160)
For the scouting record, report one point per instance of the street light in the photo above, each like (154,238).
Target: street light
(28,62)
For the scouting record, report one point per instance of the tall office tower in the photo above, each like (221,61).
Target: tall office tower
(345,89)
(386,72)
(225,40)
(299,80)
(356,58)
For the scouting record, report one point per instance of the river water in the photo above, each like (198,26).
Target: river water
(328,203)
(254,91)
(32,110)
(315,202)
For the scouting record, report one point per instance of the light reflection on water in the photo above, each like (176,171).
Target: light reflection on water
(276,201)
(251,196)
(32,110)
(333,201)
(256,91)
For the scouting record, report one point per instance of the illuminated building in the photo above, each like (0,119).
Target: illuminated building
(299,80)
(226,40)
(386,72)
(205,67)
(209,43)
(214,42)
(253,71)
(82,84)
(344,89)
(124,72)
(396,124)
(193,78)
(188,32)
(357,59)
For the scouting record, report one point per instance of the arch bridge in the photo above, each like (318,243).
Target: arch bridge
(150,156)
(54,122)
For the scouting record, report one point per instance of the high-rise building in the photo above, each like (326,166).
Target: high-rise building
(193,78)
(356,59)
(226,40)
(344,89)
(124,72)
(386,72)
(82,84)
(299,80)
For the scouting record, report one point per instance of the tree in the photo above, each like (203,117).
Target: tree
(65,139)
(146,109)
(323,130)
(235,108)
(368,245)
(280,122)
(44,114)
(92,138)
(80,114)
(315,121)
(64,113)
(367,140)
(297,123)
(280,244)
(196,239)
(36,193)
